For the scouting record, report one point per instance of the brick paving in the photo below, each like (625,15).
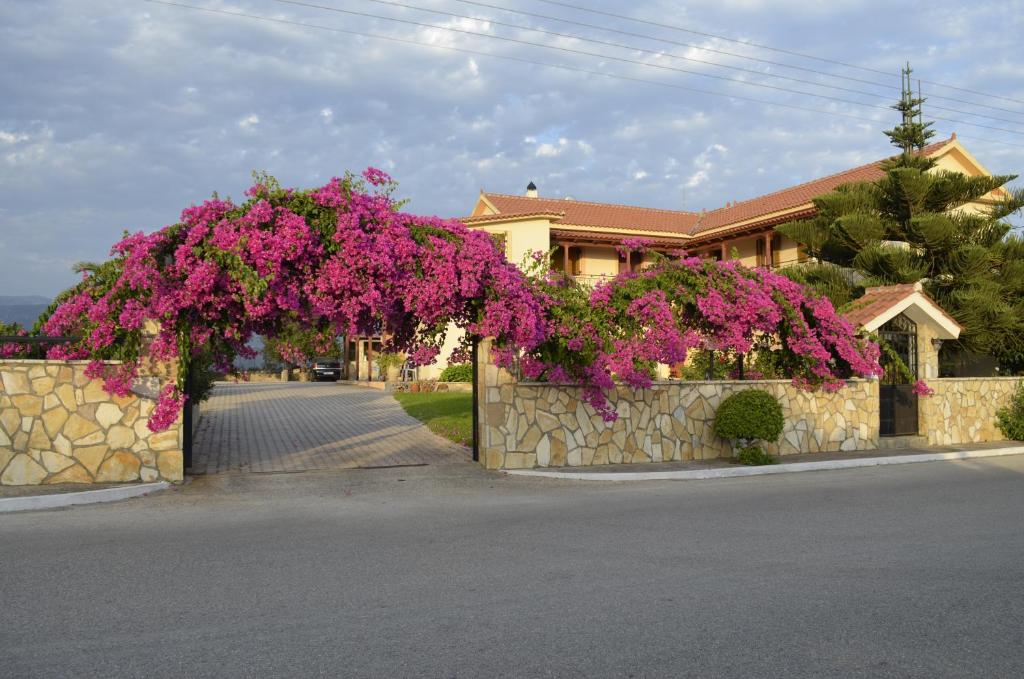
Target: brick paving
(303,426)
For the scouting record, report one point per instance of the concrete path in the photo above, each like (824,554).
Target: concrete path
(306,426)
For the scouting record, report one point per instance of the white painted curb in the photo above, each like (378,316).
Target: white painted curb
(728,472)
(87,497)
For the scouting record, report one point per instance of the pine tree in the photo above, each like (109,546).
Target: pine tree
(919,223)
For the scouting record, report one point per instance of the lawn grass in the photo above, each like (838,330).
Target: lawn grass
(448,414)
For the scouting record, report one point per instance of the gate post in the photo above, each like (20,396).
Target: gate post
(476,399)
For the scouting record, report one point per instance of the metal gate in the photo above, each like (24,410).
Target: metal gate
(897,400)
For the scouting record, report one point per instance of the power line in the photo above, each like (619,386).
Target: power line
(532,62)
(757,45)
(624,60)
(712,35)
(661,53)
(668,41)
(931,95)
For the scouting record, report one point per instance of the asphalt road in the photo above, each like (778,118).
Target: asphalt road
(912,571)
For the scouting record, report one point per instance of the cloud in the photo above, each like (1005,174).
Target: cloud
(116,116)
(704,164)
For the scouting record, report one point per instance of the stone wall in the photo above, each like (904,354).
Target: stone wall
(59,426)
(963,409)
(525,425)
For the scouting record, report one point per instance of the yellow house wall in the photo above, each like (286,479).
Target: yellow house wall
(522,238)
(789,252)
(744,250)
(597,261)
(954,161)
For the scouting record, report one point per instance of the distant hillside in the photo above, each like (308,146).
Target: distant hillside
(22,309)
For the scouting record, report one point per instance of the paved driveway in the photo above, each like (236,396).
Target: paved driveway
(303,426)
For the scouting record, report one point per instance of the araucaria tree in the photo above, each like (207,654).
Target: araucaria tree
(920,223)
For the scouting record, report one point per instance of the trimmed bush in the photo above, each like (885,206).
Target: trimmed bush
(754,455)
(1011,418)
(748,415)
(459,372)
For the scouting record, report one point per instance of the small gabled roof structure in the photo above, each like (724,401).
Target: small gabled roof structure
(881,304)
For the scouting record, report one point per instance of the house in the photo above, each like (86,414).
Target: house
(586,236)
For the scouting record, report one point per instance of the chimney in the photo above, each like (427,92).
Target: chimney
(531,190)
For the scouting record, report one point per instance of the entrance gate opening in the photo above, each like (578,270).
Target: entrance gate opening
(898,402)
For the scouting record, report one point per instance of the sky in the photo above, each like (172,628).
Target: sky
(117,114)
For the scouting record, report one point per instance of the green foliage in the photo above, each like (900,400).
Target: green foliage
(307,341)
(754,455)
(387,360)
(1011,418)
(907,227)
(447,414)
(201,377)
(458,372)
(697,367)
(840,285)
(750,414)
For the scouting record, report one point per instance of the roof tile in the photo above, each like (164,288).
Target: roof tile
(680,223)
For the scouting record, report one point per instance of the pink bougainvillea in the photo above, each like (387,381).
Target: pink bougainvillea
(342,259)
(922,389)
(339,259)
(624,327)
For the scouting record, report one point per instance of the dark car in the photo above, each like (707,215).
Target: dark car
(326,369)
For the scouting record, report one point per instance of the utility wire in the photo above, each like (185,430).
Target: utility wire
(741,56)
(635,62)
(618,31)
(758,45)
(711,35)
(660,53)
(532,62)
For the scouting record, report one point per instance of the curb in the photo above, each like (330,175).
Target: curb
(87,497)
(794,467)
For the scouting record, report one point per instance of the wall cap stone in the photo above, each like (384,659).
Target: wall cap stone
(683,383)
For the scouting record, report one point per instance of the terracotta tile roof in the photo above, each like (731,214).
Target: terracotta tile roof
(795,196)
(599,215)
(483,219)
(678,223)
(876,301)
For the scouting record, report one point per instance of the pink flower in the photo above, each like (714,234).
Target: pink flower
(922,389)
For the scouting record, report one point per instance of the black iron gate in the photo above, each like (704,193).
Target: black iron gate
(897,400)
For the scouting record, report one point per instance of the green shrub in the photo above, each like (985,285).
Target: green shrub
(748,415)
(459,372)
(754,455)
(1011,418)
